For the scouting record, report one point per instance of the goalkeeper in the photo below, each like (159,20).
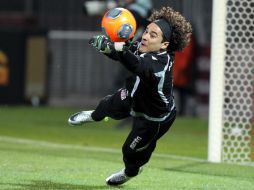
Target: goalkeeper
(148,94)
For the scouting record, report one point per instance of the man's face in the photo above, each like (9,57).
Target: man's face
(152,39)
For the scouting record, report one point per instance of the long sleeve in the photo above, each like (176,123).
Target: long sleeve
(142,65)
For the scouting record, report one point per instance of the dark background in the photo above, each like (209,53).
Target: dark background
(64,83)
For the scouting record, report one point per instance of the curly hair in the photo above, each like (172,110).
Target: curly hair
(181,28)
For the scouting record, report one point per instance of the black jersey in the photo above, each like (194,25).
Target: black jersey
(151,84)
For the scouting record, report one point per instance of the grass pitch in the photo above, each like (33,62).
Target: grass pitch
(38,150)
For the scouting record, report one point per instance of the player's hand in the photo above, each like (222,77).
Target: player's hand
(102,44)
(129,43)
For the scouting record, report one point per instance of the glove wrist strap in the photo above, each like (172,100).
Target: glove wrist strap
(119,46)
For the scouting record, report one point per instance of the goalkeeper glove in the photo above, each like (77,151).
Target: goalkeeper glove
(105,45)
(102,44)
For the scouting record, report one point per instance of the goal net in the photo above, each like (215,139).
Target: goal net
(232,82)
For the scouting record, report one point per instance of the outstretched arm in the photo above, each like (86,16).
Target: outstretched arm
(139,65)
(105,46)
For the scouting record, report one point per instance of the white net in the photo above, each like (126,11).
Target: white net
(237,130)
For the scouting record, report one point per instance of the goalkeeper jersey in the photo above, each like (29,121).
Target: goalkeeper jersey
(151,86)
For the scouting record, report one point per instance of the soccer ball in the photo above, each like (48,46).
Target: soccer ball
(119,24)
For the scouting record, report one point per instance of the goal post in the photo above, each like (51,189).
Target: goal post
(231,133)
(217,80)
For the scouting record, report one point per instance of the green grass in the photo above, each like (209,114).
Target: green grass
(38,150)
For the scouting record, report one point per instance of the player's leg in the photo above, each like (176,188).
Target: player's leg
(134,153)
(116,106)
(139,146)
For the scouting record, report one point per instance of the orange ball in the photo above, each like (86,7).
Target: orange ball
(119,24)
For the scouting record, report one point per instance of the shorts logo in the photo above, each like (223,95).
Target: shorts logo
(135,142)
(124,94)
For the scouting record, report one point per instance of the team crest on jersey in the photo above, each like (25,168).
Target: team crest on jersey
(124,94)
